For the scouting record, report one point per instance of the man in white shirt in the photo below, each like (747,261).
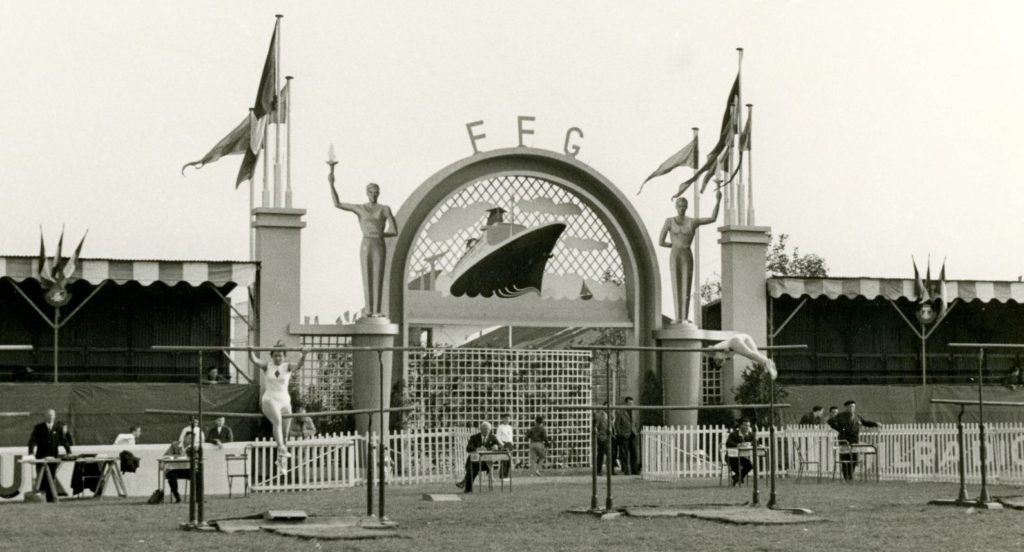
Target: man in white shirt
(185,437)
(129,439)
(505,441)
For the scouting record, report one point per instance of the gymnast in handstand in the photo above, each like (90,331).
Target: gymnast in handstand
(276,402)
(743,345)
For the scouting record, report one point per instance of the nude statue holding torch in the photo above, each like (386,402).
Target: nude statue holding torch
(377,223)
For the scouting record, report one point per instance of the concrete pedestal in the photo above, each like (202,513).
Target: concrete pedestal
(744,295)
(681,372)
(367,391)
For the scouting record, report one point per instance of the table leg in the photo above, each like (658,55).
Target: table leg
(51,480)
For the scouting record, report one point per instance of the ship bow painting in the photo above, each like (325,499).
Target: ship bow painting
(507,261)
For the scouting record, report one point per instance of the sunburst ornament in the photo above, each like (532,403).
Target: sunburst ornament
(57,272)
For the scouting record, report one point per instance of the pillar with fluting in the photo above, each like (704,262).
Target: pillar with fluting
(744,294)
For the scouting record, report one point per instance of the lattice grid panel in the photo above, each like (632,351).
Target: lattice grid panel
(325,381)
(710,380)
(506,192)
(463,387)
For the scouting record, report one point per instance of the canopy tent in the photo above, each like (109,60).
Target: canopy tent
(119,308)
(145,272)
(863,330)
(892,289)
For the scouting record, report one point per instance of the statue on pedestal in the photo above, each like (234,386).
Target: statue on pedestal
(377,223)
(678,233)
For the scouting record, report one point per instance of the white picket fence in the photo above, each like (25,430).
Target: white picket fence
(339,460)
(906,452)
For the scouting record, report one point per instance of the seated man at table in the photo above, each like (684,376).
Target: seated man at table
(741,438)
(183,449)
(479,442)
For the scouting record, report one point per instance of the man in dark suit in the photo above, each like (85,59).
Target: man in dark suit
(848,425)
(741,438)
(44,442)
(601,438)
(625,440)
(220,433)
(484,440)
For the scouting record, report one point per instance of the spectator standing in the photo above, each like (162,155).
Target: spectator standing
(44,442)
(220,433)
(601,438)
(625,440)
(130,438)
(306,425)
(848,425)
(505,437)
(213,376)
(815,417)
(833,411)
(538,439)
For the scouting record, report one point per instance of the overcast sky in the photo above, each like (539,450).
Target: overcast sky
(881,129)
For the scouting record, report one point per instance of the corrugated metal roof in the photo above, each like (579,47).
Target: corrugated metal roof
(893,288)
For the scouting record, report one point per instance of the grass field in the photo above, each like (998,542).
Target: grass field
(860,516)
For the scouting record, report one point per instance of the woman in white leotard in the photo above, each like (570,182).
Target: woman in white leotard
(743,345)
(276,403)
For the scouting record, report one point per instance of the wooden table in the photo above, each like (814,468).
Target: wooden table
(166,464)
(491,457)
(108,468)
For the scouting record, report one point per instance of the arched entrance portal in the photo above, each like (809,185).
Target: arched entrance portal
(602,271)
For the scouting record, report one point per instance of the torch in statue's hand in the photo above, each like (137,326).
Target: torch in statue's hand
(332,160)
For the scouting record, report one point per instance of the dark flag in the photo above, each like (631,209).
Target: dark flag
(725,136)
(266,98)
(236,141)
(686,157)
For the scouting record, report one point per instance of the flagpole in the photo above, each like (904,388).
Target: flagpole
(277,125)
(288,147)
(697,315)
(739,190)
(252,198)
(750,166)
(266,168)
(252,207)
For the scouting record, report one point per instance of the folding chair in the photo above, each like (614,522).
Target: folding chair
(802,461)
(839,449)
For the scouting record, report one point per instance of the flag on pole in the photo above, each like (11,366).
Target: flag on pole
(919,287)
(280,115)
(729,119)
(943,298)
(237,141)
(69,267)
(247,168)
(745,136)
(266,98)
(686,157)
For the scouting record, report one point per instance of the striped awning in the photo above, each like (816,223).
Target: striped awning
(892,288)
(145,272)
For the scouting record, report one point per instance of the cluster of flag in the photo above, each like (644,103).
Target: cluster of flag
(57,270)
(719,163)
(248,137)
(925,289)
